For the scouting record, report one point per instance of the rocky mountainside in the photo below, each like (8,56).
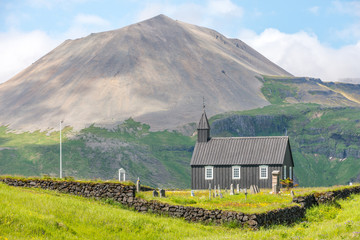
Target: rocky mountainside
(156,71)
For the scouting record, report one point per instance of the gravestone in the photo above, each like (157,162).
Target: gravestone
(155,193)
(221,196)
(122,175)
(219,190)
(237,188)
(138,186)
(192,193)
(275,182)
(162,193)
(215,192)
(292,194)
(254,189)
(231,189)
(209,191)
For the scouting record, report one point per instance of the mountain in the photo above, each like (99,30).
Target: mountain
(137,81)
(156,71)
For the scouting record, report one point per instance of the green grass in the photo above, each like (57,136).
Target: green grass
(276,92)
(40,214)
(132,147)
(254,203)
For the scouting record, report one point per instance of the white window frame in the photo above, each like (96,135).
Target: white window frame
(211,168)
(233,171)
(290,173)
(284,172)
(267,171)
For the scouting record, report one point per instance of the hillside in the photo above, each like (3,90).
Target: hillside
(155,71)
(39,214)
(323,140)
(280,90)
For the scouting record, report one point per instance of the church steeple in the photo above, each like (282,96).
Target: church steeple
(203,127)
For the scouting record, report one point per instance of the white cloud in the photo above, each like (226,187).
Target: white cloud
(347,7)
(314,10)
(18,50)
(302,54)
(224,7)
(84,24)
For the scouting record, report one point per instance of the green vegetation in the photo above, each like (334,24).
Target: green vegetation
(276,91)
(324,140)
(254,203)
(39,214)
(67,179)
(158,158)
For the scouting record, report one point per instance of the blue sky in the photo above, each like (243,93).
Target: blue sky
(315,38)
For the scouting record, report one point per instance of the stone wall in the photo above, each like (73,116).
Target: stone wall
(324,197)
(86,189)
(126,195)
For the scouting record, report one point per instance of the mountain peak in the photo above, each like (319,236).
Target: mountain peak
(156,71)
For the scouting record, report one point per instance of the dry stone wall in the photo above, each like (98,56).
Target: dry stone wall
(325,197)
(126,195)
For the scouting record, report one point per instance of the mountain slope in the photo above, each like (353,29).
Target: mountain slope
(156,71)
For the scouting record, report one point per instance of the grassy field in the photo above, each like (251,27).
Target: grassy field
(39,214)
(254,203)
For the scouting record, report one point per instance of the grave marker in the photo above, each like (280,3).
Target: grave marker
(254,189)
(138,187)
(275,182)
(121,175)
(209,191)
(155,193)
(292,194)
(231,189)
(162,193)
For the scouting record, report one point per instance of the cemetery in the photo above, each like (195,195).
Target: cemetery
(204,206)
(243,200)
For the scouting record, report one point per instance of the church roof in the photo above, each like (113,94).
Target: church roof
(241,151)
(203,123)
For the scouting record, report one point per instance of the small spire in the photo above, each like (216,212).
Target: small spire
(203,103)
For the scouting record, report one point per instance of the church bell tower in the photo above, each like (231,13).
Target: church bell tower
(203,128)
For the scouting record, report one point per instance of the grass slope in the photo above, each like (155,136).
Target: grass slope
(158,158)
(40,214)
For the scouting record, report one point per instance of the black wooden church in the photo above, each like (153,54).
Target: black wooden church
(238,160)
